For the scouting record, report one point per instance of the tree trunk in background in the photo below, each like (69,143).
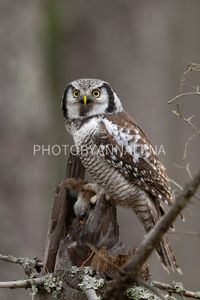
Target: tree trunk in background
(24,115)
(185,49)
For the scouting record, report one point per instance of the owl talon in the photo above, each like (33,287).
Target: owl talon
(94,199)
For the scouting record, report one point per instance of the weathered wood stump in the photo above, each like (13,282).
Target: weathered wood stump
(82,249)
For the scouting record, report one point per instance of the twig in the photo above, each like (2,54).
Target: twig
(172,289)
(26,283)
(187,144)
(190,175)
(190,67)
(20,260)
(187,120)
(187,167)
(105,259)
(183,95)
(31,266)
(197,132)
(176,183)
(185,232)
(130,270)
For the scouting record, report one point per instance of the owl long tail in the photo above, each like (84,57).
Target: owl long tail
(167,256)
(148,216)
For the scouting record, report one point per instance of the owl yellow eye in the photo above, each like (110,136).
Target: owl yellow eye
(96,93)
(76,93)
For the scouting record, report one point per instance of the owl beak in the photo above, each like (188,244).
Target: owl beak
(85,100)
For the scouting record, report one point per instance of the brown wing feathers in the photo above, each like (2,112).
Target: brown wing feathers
(146,170)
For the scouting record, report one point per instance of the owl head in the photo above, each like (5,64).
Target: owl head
(85,98)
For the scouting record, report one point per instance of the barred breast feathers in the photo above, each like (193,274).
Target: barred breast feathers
(132,153)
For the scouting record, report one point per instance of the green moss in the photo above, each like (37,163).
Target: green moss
(74,270)
(53,284)
(178,286)
(28,266)
(34,290)
(197,294)
(138,293)
(91,283)
(88,281)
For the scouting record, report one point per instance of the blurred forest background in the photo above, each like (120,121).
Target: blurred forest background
(141,48)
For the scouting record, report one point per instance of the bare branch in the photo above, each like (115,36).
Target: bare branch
(187,120)
(195,91)
(187,168)
(20,260)
(187,144)
(130,270)
(26,283)
(186,232)
(172,289)
(183,95)
(31,266)
(190,67)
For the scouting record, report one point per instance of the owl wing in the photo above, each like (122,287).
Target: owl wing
(125,146)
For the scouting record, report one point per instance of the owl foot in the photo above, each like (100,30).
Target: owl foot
(98,196)
(88,195)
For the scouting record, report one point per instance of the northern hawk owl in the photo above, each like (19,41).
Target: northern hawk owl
(117,154)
